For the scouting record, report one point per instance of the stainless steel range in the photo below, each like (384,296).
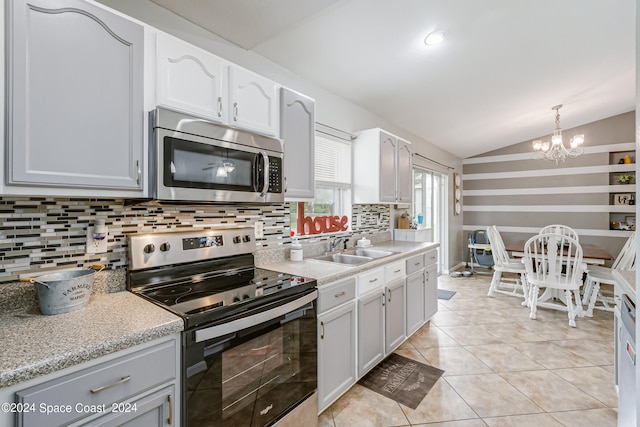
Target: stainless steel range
(250,342)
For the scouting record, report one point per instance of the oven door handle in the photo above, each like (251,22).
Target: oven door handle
(265,184)
(256,319)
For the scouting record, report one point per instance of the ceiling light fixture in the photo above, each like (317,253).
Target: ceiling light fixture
(433,38)
(556,150)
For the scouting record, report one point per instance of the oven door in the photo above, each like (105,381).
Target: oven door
(251,371)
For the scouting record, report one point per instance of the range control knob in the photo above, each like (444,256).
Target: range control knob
(165,247)
(246,238)
(236,239)
(245,297)
(150,248)
(236,299)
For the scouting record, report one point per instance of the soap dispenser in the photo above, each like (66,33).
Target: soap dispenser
(296,248)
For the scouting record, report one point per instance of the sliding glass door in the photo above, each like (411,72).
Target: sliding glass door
(430,204)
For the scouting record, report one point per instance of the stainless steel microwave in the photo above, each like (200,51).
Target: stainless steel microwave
(193,159)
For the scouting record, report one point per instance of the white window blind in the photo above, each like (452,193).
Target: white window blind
(333,162)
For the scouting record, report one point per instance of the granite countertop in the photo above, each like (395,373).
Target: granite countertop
(34,344)
(627,280)
(326,272)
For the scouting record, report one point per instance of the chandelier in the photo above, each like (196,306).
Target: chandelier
(555,150)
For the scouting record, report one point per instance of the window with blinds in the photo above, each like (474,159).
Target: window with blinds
(332,178)
(333,162)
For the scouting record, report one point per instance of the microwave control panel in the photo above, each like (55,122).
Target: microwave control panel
(275,175)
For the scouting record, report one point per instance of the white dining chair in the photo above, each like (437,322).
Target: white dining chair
(554,263)
(599,275)
(503,263)
(560,229)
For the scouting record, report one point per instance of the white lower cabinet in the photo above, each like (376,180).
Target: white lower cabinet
(134,387)
(370,330)
(336,341)
(415,301)
(430,285)
(394,315)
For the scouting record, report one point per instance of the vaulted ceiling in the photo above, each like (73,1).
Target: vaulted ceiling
(491,83)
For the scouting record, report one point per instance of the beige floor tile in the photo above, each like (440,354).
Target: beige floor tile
(552,356)
(454,361)
(592,417)
(464,423)
(598,352)
(431,336)
(490,395)
(594,380)
(470,335)
(413,354)
(366,408)
(448,318)
(503,358)
(326,418)
(513,333)
(442,403)
(551,392)
(532,420)
(483,317)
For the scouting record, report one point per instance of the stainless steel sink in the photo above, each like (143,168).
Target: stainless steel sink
(355,256)
(370,253)
(344,258)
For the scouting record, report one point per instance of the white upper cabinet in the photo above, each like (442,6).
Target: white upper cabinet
(381,168)
(74,100)
(253,100)
(191,79)
(297,130)
(195,81)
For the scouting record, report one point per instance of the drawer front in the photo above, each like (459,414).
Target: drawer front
(335,294)
(75,394)
(370,280)
(431,257)
(394,271)
(415,263)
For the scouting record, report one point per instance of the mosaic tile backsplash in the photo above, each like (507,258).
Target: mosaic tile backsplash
(46,233)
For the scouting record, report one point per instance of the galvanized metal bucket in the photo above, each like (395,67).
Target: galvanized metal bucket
(64,291)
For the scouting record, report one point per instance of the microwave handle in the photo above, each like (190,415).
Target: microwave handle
(265,186)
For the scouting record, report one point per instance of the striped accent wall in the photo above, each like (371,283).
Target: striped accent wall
(520,194)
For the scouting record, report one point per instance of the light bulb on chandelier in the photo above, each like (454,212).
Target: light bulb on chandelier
(555,150)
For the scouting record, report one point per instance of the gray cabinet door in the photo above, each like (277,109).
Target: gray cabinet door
(394,315)
(75,94)
(387,167)
(157,409)
(336,353)
(370,331)
(430,291)
(415,301)
(297,127)
(404,172)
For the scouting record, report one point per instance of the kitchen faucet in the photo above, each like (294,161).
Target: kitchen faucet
(335,241)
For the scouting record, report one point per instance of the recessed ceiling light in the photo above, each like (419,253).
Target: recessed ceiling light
(435,37)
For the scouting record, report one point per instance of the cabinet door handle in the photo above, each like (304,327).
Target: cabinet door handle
(398,270)
(322,333)
(339,294)
(384,297)
(139,172)
(373,280)
(389,295)
(426,275)
(286,186)
(104,387)
(219,106)
(235,111)
(170,419)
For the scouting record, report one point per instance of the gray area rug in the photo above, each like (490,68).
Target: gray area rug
(402,379)
(444,294)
